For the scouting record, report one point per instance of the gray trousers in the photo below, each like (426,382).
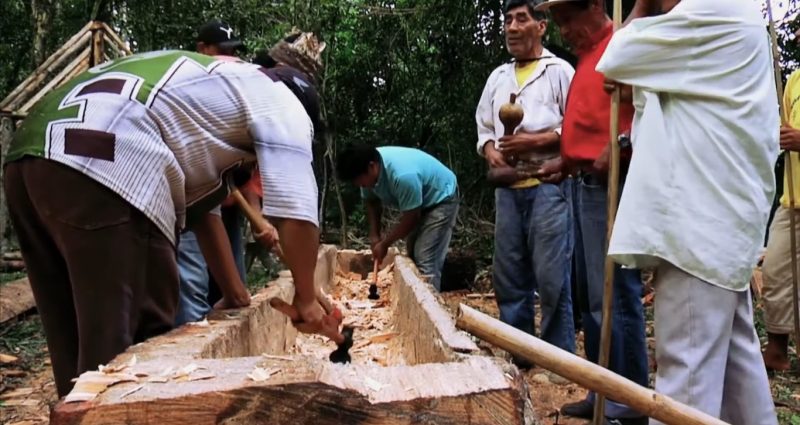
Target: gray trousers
(707,350)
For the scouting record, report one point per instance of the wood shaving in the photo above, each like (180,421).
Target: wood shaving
(273,357)
(373,384)
(7,358)
(203,323)
(90,384)
(127,393)
(259,374)
(371,319)
(19,392)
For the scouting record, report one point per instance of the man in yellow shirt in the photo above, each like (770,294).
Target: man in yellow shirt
(533,225)
(777,268)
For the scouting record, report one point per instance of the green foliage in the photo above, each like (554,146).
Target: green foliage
(398,72)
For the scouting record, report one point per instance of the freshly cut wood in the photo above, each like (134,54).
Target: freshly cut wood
(580,371)
(410,364)
(15,298)
(7,358)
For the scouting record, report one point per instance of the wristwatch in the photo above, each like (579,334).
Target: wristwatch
(624,141)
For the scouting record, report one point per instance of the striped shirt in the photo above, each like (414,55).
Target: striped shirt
(166,129)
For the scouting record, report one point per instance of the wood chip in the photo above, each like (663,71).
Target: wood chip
(127,393)
(202,376)
(273,357)
(7,358)
(28,403)
(380,338)
(373,384)
(118,368)
(259,374)
(90,384)
(203,323)
(14,373)
(19,392)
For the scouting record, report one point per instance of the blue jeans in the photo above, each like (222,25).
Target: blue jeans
(533,244)
(427,245)
(628,356)
(195,278)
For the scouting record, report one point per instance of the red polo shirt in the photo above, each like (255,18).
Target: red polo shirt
(587,119)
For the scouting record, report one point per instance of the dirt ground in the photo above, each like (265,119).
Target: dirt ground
(27,389)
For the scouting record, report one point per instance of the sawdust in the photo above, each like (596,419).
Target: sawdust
(371,320)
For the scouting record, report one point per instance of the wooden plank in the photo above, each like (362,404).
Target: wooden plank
(56,80)
(15,298)
(476,391)
(81,68)
(58,57)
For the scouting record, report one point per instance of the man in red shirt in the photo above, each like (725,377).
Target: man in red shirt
(584,153)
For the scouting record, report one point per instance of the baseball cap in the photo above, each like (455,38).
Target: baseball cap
(220,33)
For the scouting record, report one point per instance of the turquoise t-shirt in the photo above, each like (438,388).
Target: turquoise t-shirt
(410,179)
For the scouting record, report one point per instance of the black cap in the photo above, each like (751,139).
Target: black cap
(219,33)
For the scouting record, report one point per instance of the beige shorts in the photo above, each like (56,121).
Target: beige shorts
(777,269)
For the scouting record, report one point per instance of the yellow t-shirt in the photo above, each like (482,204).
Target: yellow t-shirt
(791,96)
(523,72)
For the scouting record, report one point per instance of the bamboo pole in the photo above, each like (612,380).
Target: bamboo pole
(57,79)
(612,203)
(70,46)
(581,371)
(115,38)
(789,175)
(98,50)
(83,66)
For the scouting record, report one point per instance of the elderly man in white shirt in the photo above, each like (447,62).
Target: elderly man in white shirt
(705,138)
(533,225)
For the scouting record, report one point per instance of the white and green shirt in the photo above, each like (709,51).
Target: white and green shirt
(164,130)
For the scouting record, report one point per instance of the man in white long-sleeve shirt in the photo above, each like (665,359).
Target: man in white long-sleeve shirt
(533,224)
(699,190)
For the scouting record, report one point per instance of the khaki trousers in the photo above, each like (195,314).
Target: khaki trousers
(777,272)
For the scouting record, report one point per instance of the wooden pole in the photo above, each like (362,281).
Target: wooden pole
(115,38)
(98,47)
(56,80)
(612,202)
(71,45)
(789,175)
(581,371)
(6,134)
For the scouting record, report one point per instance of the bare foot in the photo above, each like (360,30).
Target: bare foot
(775,354)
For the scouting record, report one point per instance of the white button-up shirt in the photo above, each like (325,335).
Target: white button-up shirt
(705,139)
(543,97)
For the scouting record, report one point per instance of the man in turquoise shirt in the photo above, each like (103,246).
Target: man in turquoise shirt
(417,184)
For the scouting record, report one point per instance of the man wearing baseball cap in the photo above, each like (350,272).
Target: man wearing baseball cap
(216,38)
(585,25)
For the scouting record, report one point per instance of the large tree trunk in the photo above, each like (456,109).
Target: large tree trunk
(43,12)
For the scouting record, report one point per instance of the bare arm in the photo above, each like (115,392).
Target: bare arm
(216,248)
(300,242)
(408,222)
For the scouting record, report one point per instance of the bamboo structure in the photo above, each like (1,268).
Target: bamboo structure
(92,45)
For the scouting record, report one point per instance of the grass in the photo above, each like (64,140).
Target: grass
(10,277)
(24,338)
